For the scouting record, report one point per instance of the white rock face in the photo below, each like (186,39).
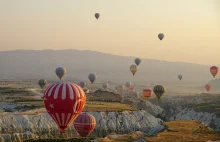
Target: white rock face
(189,114)
(20,127)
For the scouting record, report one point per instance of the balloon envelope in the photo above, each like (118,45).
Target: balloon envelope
(147,94)
(64,101)
(120,88)
(137,61)
(82,84)
(105,85)
(208,87)
(84,124)
(136,94)
(60,72)
(97,15)
(180,77)
(128,84)
(133,69)
(214,70)
(92,77)
(159,90)
(161,36)
(42,83)
(131,89)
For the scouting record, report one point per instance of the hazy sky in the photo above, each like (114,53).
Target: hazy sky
(125,27)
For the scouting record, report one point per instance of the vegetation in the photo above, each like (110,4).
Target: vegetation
(186,131)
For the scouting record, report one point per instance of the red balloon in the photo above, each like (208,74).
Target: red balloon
(208,87)
(214,70)
(84,124)
(64,101)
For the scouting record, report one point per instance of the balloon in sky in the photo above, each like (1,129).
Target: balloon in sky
(136,94)
(133,69)
(84,124)
(180,77)
(120,88)
(147,94)
(82,84)
(159,90)
(131,89)
(60,72)
(92,77)
(105,85)
(137,61)
(214,70)
(97,15)
(128,84)
(161,36)
(208,87)
(64,101)
(42,83)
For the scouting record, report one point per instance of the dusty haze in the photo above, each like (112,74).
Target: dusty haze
(125,27)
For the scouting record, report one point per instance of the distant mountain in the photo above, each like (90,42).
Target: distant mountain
(34,64)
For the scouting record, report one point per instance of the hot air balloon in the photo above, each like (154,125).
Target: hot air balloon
(214,71)
(128,84)
(137,61)
(42,83)
(208,87)
(64,101)
(135,94)
(161,36)
(180,77)
(120,88)
(97,15)
(159,90)
(131,89)
(92,77)
(133,69)
(84,124)
(105,85)
(60,71)
(82,84)
(146,94)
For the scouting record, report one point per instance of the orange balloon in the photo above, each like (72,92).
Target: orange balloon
(146,94)
(214,71)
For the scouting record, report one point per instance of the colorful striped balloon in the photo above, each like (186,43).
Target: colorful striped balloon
(159,90)
(64,101)
(146,94)
(84,124)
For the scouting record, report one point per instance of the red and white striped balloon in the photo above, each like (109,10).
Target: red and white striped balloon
(84,124)
(64,101)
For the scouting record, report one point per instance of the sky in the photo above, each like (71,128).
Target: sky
(125,27)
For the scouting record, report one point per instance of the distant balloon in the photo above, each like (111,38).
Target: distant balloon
(161,36)
(131,89)
(42,83)
(159,90)
(105,85)
(114,91)
(60,72)
(133,69)
(84,124)
(147,94)
(137,61)
(120,88)
(82,84)
(214,71)
(136,94)
(180,77)
(128,84)
(92,77)
(97,15)
(208,87)
(64,101)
